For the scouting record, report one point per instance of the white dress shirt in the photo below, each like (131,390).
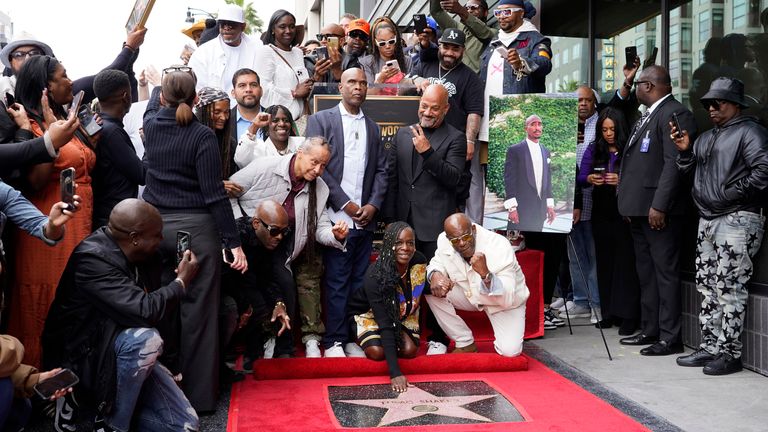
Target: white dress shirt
(355,161)
(537,160)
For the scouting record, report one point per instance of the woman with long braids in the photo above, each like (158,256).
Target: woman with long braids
(386,311)
(212,110)
(614,251)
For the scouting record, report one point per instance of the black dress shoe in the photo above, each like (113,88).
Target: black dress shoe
(662,348)
(724,364)
(638,339)
(628,327)
(699,357)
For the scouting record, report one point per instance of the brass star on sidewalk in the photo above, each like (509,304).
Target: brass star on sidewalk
(416,403)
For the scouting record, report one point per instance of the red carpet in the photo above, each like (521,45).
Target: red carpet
(547,402)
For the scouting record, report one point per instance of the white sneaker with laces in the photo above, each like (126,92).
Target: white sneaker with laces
(269,348)
(436,348)
(352,349)
(557,304)
(576,311)
(569,304)
(335,351)
(312,349)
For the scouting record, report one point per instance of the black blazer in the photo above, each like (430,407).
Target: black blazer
(428,193)
(651,179)
(327,123)
(520,183)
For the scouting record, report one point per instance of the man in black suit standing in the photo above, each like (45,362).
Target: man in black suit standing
(650,194)
(426,163)
(528,181)
(357,179)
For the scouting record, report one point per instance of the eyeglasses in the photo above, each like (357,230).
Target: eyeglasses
(385,43)
(172,69)
(498,13)
(357,34)
(463,238)
(322,37)
(644,82)
(275,231)
(22,54)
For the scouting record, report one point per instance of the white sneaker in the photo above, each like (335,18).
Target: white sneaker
(557,304)
(569,304)
(436,348)
(269,348)
(352,349)
(596,315)
(335,351)
(576,311)
(312,349)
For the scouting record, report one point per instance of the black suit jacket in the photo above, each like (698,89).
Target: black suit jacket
(327,123)
(427,193)
(651,179)
(520,183)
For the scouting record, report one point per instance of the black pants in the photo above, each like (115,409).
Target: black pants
(553,246)
(658,269)
(616,274)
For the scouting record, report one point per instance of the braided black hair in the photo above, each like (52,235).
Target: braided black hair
(386,274)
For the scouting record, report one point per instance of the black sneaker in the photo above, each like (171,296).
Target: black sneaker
(700,357)
(65,419)
(724,364)
(552,318)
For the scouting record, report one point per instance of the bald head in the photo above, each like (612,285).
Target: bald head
(271,212)
(353,87)
(270,222)
(333,29)
(433,106)
(461,233)
(134,215)
(137,228)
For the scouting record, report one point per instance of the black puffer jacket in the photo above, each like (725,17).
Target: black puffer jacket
(99,296)
(731,164)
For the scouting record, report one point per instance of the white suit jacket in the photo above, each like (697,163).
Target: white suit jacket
(501,261)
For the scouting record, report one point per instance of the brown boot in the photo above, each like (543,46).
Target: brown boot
(471,348)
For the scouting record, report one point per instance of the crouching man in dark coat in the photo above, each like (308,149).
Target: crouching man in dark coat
(102,324)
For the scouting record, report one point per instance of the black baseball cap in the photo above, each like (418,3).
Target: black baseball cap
(453,36)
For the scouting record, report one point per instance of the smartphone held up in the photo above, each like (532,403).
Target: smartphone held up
(67,185)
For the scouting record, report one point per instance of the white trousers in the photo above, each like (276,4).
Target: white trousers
(508,326)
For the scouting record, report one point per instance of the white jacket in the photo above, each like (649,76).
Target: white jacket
(250,149)
(209,62)
(279,78)
(501,261)
(268,178)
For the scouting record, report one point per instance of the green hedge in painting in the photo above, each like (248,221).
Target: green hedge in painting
(507,127)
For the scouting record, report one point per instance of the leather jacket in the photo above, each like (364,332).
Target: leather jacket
(731,165)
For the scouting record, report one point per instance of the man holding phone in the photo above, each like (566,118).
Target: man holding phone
(472,16)
(730,163)
(101,323)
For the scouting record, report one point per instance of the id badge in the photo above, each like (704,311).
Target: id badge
(646,143)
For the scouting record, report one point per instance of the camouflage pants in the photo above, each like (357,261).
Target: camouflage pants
(724,250)
(308,275)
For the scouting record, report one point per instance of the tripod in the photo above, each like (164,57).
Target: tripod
(589,298)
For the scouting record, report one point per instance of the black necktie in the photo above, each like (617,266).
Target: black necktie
(638,125)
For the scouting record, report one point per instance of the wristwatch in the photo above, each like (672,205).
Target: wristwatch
(487,278)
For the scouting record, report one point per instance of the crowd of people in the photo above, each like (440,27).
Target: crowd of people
(220,215)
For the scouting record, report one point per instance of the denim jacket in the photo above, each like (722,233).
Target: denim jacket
(21,212)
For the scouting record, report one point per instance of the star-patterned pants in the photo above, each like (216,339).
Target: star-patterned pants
(724,250)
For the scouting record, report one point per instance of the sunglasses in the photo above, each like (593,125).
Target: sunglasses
(230,24)
(275,231)
(713,103)
(385,43)
(498,13)
(464,238)
(472,7)
(22,54)
(322,37)
(357,34)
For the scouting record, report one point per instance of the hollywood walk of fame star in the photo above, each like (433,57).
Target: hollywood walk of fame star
(416,403)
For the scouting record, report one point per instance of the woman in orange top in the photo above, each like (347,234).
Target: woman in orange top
(38,267)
